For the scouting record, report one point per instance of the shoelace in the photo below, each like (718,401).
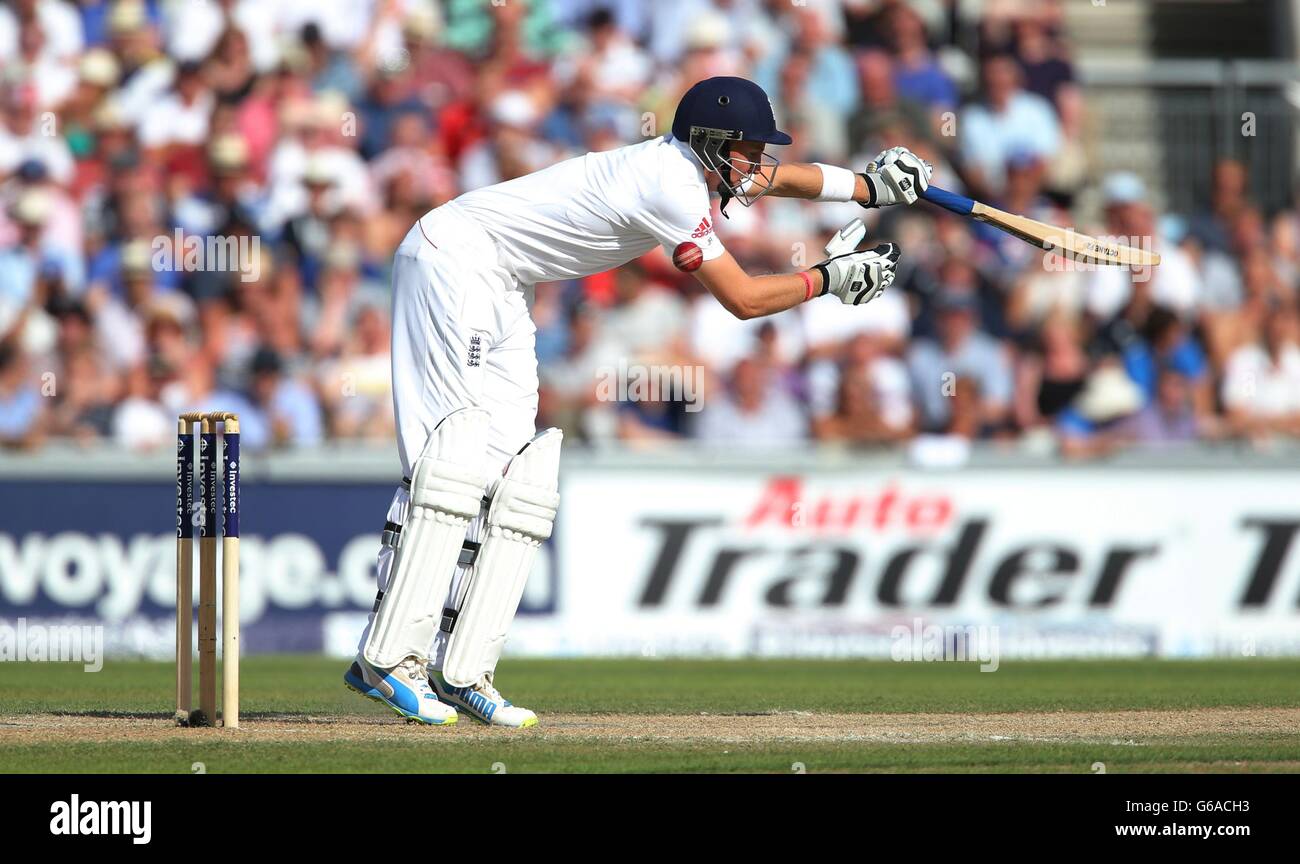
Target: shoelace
(417,674)
(487,689)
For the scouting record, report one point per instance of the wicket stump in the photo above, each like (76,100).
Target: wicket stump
(185,522)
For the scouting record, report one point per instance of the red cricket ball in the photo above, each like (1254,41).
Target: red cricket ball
(687,257)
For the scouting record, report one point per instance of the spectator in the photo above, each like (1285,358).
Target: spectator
(147,73)
(1228,198)
(1261,386)
(180,119)
(1006,121)
(1047,71)
(1168,419)
(512,148)
(194,30)
(230,69)
(97,76)
(390,96)
(568,383)
(139,422)
(31,263)
(951,446)
(754,414)
(1167,342)
(61,234)
(1052,373)
(960,350)
(84,397)
(882,109)
(831,81)
(1094,424)
(284,412)
(58,22)
(613,68)
(23,136)
(917,75)
(648,317)
(328,69)
(1175,283)
(51,78)
(864,400)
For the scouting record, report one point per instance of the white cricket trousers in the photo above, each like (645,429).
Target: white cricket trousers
(462,337)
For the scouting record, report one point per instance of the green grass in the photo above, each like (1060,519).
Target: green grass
(293,686)
(1218,755)
(309,684)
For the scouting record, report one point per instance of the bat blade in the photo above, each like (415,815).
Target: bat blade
(1066,241)
(1052,238)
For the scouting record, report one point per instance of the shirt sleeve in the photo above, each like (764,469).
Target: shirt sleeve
(675,216)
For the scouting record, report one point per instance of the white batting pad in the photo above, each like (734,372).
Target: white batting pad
(447,486)
(519,518)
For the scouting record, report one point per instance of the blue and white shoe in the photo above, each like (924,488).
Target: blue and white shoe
(483,702)
(404,688)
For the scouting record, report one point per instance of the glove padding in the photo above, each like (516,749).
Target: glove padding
(859,277)
(846,239)
(896,176)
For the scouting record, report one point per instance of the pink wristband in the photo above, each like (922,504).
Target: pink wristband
(807,284)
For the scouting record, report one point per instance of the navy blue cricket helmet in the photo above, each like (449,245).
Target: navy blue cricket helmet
(717,112)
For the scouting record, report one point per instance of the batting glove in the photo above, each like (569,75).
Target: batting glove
(859,277)
(896,176)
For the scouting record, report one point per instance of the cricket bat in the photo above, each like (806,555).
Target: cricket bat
(1052,238)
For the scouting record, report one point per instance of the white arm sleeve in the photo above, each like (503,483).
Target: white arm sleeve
(837,183)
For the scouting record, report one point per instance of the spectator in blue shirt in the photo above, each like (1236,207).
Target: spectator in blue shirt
(959,351)
(329,69)
(1007,121)
(1168,344)
(917,75)
(31,261)
(285,413)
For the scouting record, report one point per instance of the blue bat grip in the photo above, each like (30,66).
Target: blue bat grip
(959,204)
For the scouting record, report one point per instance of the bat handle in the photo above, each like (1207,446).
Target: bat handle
(959,204)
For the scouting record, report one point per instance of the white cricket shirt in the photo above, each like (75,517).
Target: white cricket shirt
(592,213)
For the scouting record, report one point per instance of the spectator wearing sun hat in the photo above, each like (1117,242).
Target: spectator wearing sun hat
(1094,424)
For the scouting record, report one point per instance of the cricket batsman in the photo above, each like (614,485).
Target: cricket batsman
(480,488)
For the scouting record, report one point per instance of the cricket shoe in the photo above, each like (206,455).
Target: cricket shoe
(404,688)
(483,702)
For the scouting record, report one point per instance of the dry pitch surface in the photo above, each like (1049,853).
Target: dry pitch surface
(1136,728)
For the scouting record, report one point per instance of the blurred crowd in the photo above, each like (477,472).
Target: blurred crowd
(199,201)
